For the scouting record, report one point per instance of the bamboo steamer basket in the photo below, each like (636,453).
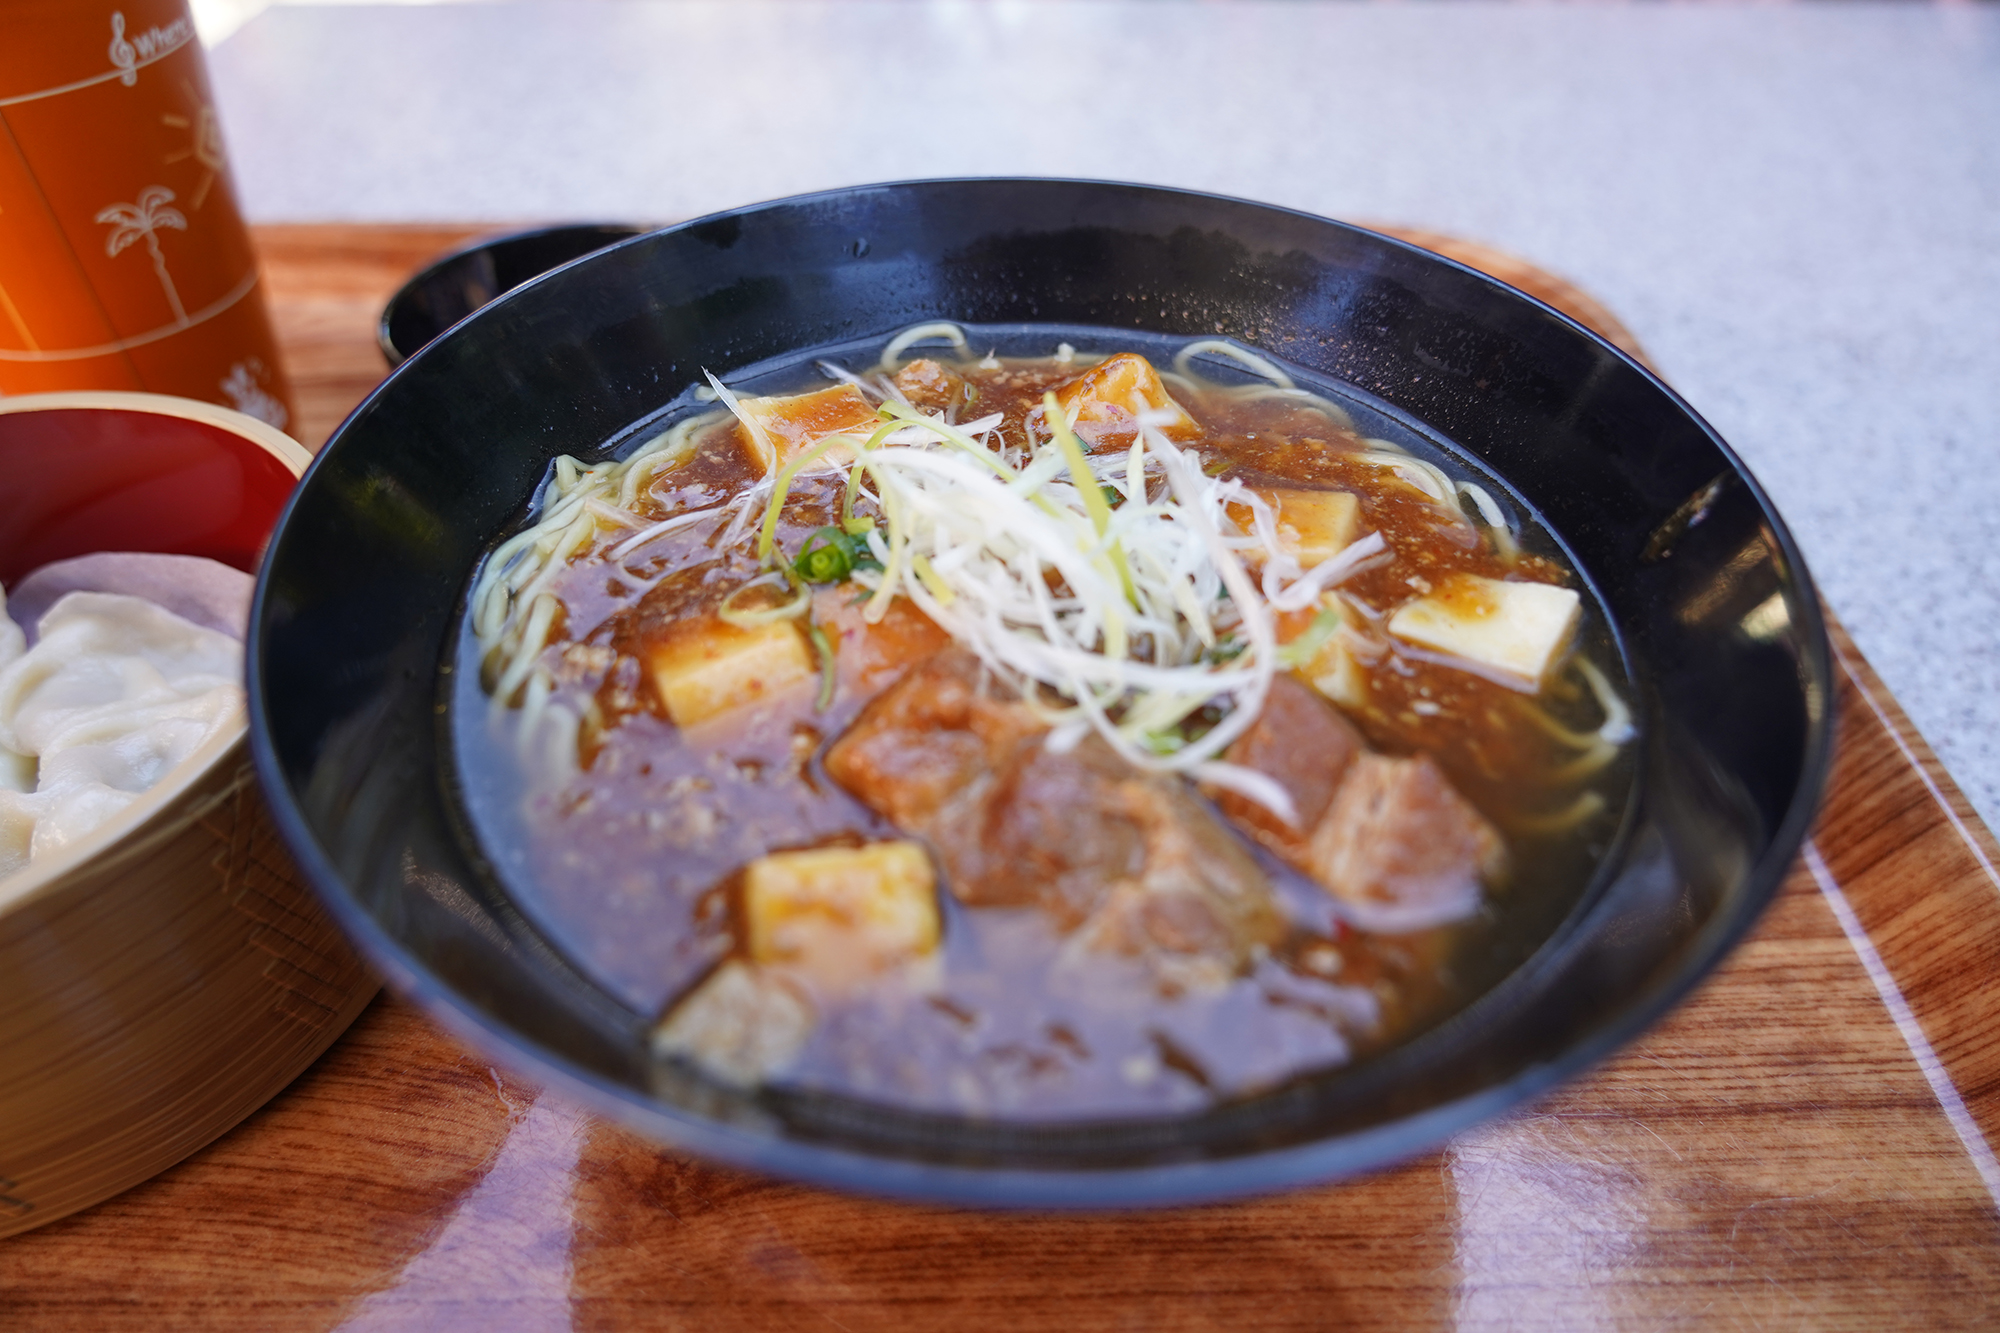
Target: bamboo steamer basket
(168,975)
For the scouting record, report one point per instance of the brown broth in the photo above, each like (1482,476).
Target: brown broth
(636,858)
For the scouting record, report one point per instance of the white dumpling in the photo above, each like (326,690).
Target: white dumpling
(101,656)
(207,592)
(19,813)
(34,824)
(17,771)
(133,748)
(115,693)
(13,641)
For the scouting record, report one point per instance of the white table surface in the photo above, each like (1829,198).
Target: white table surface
(1796,208)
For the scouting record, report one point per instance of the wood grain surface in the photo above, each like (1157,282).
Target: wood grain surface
(115,1068)
(1804,1144)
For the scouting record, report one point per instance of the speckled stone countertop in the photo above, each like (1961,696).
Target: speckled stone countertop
(1796,209)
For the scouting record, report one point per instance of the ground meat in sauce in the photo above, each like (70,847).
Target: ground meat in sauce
(926,384)
(1165,963)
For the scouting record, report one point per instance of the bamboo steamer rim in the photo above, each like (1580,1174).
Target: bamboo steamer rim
(41,878)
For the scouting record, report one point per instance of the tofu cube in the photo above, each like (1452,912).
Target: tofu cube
(742,1025)
(1336,674)
(794,423)
(1314,526)
(1115,390)
(1508,632)
(1332,670)
(711,668)
(842,913)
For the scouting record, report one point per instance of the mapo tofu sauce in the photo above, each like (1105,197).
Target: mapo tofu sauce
(830,845)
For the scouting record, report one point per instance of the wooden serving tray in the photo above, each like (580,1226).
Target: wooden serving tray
(1804,1143)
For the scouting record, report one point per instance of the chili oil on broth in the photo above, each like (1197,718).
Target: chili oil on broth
(631,862)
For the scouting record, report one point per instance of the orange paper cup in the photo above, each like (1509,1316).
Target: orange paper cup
(124,262)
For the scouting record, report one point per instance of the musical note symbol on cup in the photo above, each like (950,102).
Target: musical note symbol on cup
(122,53)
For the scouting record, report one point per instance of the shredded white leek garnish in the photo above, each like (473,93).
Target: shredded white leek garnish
(791,608)
(1112,591)
(749,423)
(1115,591)
(1106,619)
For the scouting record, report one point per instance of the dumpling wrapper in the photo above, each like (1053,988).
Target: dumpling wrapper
(115,693)
(17,771)
(206,592)
(13,639)
(35,824)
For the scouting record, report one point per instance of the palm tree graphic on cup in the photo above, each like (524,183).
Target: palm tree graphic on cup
(142,222)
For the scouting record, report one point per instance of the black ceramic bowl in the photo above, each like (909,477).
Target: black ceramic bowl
(459,283)
(360,600)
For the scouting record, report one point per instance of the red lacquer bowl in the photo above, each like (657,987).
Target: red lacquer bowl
(168,974)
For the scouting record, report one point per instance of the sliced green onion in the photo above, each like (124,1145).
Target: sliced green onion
(826,557)
(1302,650)
(878,605)
(757,617)
(767,539)
(1088,488)
(932,580)
(854,473)
(950,434)
(827,674)
(832,553)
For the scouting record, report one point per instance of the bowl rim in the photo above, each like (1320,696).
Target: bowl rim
(40,878)
(1255,1172)
(396,356)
